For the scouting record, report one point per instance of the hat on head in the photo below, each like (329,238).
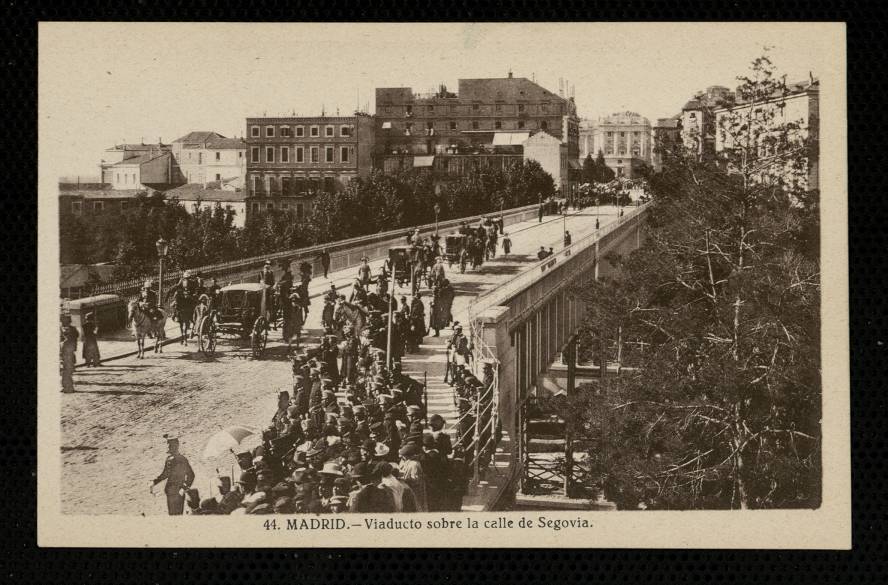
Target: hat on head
(369,444)
(331,468)
(409,450)
(300,459)
(360,471)
(171,437)
(381,450)
(428,441)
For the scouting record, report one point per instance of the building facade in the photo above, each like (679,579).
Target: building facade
(624,138)
(122,152)
(194,197)
(485,122)
(206,156)
(797,113)
(666,136)
(698,120)
(290,160)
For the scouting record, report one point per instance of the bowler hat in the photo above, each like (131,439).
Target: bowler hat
(331,468)
(409,450)
(360,471)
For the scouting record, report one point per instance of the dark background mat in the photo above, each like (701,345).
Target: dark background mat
(22,562)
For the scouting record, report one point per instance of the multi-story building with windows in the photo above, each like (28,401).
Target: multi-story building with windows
(624,138)
(793,113)
(666,136)
(206,156)
(289,160)
(484,123)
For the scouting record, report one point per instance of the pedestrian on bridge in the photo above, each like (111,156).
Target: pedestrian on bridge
(507,244)
(69,337)
(567,239)
(325,261)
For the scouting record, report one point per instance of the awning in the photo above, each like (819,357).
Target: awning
(510,138)
(575,164)
(386,125)
(423,161)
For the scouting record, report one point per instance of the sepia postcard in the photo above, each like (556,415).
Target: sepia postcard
(443,285)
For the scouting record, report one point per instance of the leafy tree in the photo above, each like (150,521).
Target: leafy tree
(604,173)
(723,410)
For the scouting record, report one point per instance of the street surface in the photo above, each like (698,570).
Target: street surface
(112,426)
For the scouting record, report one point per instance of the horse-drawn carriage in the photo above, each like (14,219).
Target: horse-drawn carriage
(453,245)
(399,259)
(240,310)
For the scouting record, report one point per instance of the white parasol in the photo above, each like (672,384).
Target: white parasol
(226,440)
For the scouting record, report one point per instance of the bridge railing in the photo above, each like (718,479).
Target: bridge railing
(343,254)
(501,294)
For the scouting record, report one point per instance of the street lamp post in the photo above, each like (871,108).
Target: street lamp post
(163,248)
(437,211)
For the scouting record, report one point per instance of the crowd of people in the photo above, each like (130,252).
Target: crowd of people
(372,450)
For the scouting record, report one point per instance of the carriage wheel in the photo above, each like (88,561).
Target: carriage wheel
(206,336)
(259,337)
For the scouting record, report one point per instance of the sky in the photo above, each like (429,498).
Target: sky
(105,83)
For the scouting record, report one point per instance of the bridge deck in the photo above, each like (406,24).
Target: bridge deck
(111,427)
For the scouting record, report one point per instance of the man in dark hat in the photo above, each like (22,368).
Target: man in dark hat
(279,419)
(442,439)
(369,498)
(435,470)
(178,475)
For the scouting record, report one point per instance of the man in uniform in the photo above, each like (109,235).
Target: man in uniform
(178,475)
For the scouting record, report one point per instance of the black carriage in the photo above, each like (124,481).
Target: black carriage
(239,310)
(453,245)
(400,263)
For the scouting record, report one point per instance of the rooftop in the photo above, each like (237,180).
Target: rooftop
(142,158)
(90,194)
(195,191)
(198,137)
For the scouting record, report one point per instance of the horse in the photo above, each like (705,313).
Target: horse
(183,312)
(355,315)
(142,325)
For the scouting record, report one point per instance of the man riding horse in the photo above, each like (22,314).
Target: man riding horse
(148,301)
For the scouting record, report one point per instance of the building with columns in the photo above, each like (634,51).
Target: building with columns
(624,138)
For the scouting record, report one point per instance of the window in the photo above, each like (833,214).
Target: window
(315,154)
(200,158)
(343,154)
(498,125)
(271,184)
(328,131)
(300,131)
(344,131)
(118,177)
(431,109)
(218,155)
(269,206)
(124,205)
(255,207)
(499,107)
(269,131)
(218,177)
(98,205)
(315,184)
(475,125)
(328,154)
(285,154)
(315,132)
(240,154)
(76,207)
(544,125)
(269,154)
(544,107)
(300,210)
(408,128)
(254,131)
(476,107)
(285,131)
(453,125)
(520,107)
(387,109)
(300,185)
(329,185)
(521,124)
(254,154)
(300,154)
(409,110)
(286,185)
(255,183)
(285,205)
